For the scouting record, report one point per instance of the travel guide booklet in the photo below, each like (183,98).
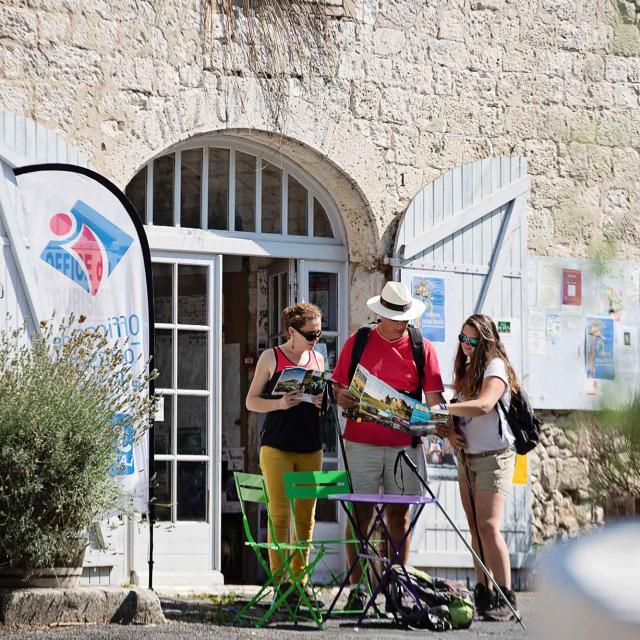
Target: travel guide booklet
(307,382)
(383,405)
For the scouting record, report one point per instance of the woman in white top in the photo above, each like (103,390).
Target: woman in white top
(483,376)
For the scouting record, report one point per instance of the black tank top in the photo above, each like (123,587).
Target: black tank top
(296,429)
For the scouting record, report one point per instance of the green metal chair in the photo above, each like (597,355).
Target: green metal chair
(305,485)
(251,489)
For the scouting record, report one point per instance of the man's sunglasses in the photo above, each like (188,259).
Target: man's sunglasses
(473,342)
(310,336)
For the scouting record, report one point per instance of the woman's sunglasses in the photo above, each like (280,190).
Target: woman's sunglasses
(310,336)
(473,342)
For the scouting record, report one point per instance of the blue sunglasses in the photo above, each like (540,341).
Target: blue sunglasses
(473,342)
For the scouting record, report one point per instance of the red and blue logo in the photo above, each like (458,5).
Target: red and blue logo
(89,246)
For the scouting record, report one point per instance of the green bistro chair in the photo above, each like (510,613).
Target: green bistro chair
(304,485)
(251,489)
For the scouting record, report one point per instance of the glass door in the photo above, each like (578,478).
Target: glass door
(325,285)
(187,304)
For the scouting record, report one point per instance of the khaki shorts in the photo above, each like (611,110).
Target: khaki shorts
(491,471)
(371,467)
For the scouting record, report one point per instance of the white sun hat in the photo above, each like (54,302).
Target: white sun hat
(395,302)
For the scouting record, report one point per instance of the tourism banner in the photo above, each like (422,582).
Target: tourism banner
(89,257)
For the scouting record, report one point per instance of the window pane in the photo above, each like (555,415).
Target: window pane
(245,192)
(163,169)
(331,344)
(271,198)
(136,191)
(321,224)
(190,189)
(192,360)
(164,340)
(162,428)
(162,490)
(192,490)
(192,425)
(323,292)
(297,215)
(162,291)
(218,188)
(192,294)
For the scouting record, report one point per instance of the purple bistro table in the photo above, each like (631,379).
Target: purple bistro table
(369,552)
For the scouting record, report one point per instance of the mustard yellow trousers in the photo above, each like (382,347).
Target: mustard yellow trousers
(274,463)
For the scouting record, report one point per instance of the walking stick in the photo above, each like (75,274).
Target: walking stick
(403,455)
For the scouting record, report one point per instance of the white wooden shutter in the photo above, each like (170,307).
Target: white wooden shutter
(468,228)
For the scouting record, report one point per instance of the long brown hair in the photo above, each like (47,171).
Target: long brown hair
(468,378)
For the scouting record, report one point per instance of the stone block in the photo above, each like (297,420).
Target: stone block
(572,475)
(549,474)
(86,605)
(388,42)
(626,40)
(19,25)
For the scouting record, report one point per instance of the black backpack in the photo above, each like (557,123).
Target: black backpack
(523,422)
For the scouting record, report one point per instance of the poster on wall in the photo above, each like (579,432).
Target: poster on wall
(572,287)
(599,345)
(432,292)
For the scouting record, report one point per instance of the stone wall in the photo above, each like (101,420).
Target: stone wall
(561,503)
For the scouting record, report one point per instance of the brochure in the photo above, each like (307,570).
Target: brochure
(383,405)
(308,382)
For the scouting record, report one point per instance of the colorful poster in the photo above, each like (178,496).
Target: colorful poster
(432,292)
(572,287)
(599,361)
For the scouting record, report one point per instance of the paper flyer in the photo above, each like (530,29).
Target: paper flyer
(572,287)
(431,291)
(548,285)
(627,348)
(599,358)
(537,332)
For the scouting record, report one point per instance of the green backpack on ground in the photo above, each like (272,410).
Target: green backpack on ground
(446,603)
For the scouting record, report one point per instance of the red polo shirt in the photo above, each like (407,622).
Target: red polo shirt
(393,363)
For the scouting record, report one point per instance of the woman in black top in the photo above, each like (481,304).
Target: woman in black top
(291,431)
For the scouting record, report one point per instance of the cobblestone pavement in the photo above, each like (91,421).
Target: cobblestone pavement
(200,618)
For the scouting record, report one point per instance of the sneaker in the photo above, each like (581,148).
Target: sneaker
(500,611)
(357,599)
(482,596)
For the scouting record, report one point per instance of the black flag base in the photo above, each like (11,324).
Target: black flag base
(403,457)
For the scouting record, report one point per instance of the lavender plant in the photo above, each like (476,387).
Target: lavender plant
(63,393)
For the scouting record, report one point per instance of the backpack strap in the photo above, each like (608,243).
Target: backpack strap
(417,346)
(358,349)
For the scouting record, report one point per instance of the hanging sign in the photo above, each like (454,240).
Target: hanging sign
(89,257)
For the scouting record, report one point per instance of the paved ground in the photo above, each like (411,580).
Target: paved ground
(195,619)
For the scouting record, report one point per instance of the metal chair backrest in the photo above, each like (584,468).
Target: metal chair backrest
(250,488)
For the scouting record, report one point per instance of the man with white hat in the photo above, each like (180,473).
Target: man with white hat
(371,449)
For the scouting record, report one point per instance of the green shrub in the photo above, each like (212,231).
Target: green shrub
(63,392)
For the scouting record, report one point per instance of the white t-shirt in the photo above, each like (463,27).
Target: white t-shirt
(483,433)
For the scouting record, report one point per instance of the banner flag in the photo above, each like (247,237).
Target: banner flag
(90,257)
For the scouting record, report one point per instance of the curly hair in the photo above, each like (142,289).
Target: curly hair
(468,378)
(297,314)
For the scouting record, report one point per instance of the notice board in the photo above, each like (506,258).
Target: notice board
(582,332)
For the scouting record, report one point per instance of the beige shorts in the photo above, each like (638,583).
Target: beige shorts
(371,467)
(491,471)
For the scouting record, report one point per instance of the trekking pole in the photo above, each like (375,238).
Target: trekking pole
(412,466)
